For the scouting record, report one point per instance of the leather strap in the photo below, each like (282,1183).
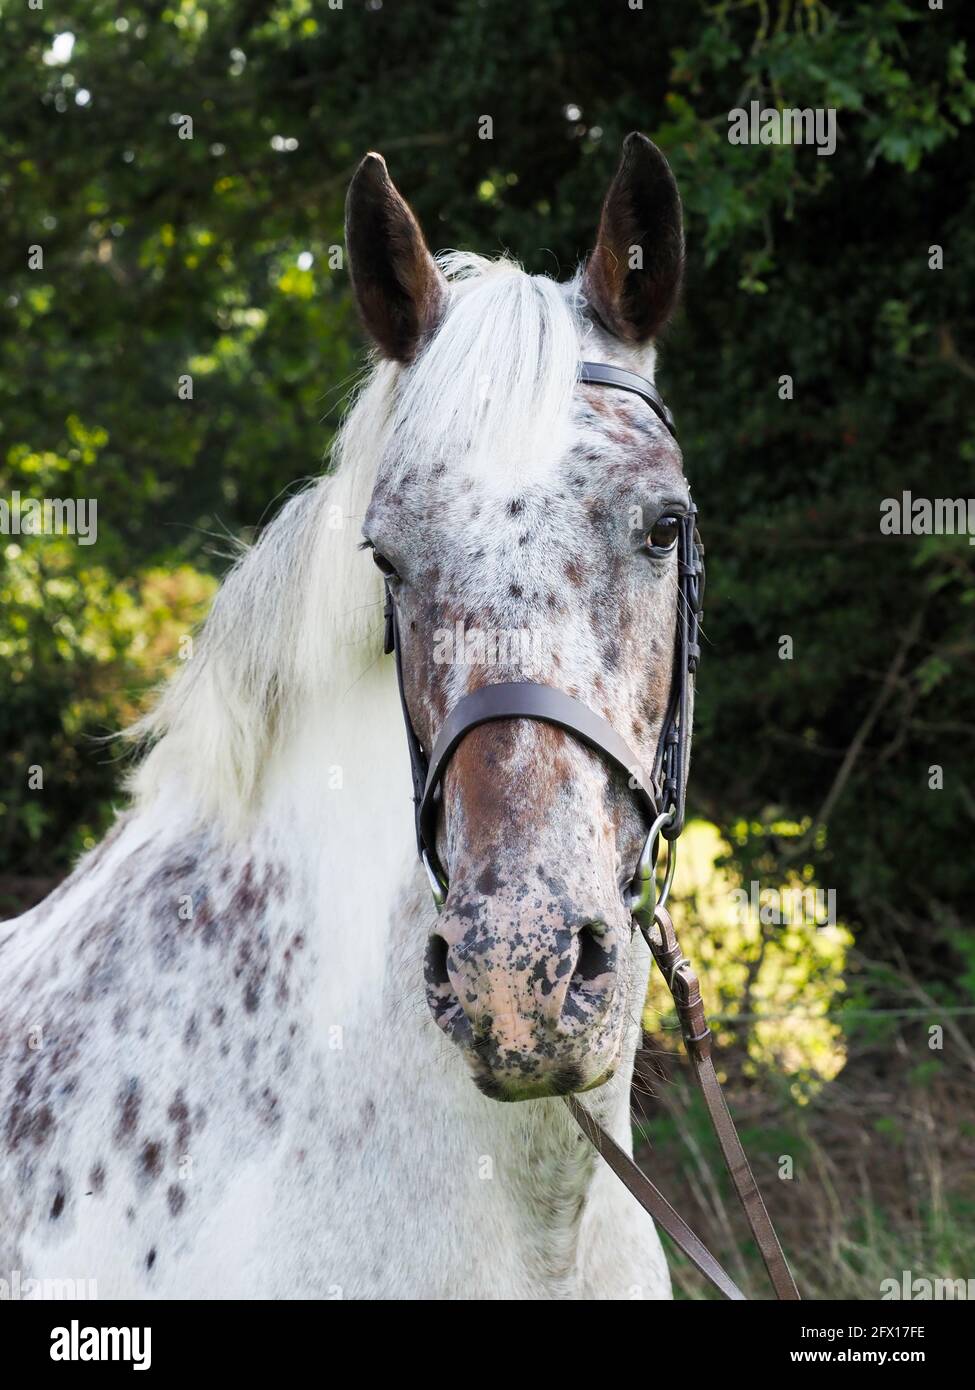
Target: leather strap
(418,760)
(686,992)
(523,700)
(602,374)
(653,1201)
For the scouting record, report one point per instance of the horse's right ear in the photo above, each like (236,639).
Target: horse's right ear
(399,288)
(633,277)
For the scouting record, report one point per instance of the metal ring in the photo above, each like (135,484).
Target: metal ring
(646,857)
(438,889)
(668,882)
(643,898)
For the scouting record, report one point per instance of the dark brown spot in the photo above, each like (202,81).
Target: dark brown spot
(33,1125)
(574,573)
(611,654)
(130,1103)
(268,1109)
(151,1158)
(487,882)
(179,1113)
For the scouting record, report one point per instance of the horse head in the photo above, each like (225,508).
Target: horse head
(526,524)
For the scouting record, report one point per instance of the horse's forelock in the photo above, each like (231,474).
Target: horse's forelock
(492,391)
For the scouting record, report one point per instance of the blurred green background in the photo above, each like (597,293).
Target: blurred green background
(221,256)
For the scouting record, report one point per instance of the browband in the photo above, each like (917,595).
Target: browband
(602,374)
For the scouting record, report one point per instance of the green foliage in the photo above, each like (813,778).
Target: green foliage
(76,645)
(165,256)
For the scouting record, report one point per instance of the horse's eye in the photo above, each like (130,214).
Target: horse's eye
(384,566)
(664,534)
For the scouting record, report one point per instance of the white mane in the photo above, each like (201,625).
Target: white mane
(299,615)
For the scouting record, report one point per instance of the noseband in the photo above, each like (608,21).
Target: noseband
(661,793)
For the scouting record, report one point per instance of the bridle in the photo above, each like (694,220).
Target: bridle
(662,794)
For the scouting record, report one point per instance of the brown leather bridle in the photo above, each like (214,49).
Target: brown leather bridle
(662,794)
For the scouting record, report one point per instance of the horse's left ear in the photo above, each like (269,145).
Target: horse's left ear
(399,288)
(633,277)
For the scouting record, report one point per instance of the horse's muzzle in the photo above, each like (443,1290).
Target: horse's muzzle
(537,1012)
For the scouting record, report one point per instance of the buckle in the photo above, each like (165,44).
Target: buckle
(684,986)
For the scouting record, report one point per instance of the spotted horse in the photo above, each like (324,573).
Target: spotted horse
(244,1050)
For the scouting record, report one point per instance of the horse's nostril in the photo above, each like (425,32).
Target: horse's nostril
(595,956)
(436,962)
(592,987)
(441,995)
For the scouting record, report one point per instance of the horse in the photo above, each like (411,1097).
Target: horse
(242,1055)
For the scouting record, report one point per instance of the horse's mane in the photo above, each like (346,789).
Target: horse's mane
(299,614)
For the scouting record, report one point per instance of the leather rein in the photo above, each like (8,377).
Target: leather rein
(662,793)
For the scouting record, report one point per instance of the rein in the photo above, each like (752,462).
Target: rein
(662,794)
